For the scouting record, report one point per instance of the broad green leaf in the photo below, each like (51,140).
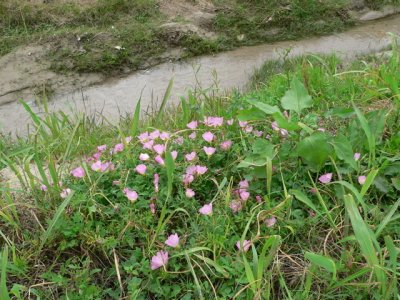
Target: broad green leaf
(251,114)
(368,133)
(396,183)
(263,148)
(285,123)
(303,198)
(296,98)
(266,108)
(341,112)
(315,150)
(344,150)
(322,261)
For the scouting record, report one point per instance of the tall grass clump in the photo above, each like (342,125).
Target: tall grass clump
(289,191)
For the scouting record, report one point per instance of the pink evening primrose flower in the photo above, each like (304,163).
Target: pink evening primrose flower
(164,136)
(200,170)
(283,132)
(214,121)
(192,125)
(128,139)
(96,166)
(244,195)
(159,260)
(159,160)
(107,166)
(141,169)
(144,137)
(148,145)
(245,246)
(172,241)
(326,178)
(190,193)
(154,135)
(179,140)
(244,184)
(97,156)
(270,222)
(43,188)
(236,206)
(159,149)
(362,179)
(118,148)
(193,135)
(191,156)
(156,181)
(174,154)
(226,145)
(229,122)
(248,129)
(206,209)
(65,192)
(209,150)
(78,172)
(188,179)
(144,156)
(242,124)
(275,126)
(102,148)
(131,195)
(208,136)
(152,208)
(258,133)
(357,156)
(258,199)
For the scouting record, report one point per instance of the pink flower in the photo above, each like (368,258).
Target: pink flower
(164,136)
(159,160)
(159,149)
(209,150)
(190,193)
(326,178)
(102,148)
(191,156)
(242,124)
(144,137)
(78,172)
(258,133)
(118,148)
(214,121)
(258,199)
(131,195)
(159,260)
(270,222)
(235,206)
(96,166)
(357,156)
(154,135)
(174,154)
(248,129)
(144,156)
(148,145)
(107,166)
(201,170)
(192,125)
(275,126)
(245,246)
(208,136)
(193,135)
(172,241)
(188,179)
(226,145)
(65,192)
(191,170)
(283,132)
(244,184)
(141,169)
(116,182)
(156,181)
(43,188)
(244,195)
(97,155)
(128,139)
(152,208)
(206,209)
(362,179)
(179,140)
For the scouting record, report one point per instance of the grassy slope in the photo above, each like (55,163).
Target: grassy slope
(100,231)
(134,25)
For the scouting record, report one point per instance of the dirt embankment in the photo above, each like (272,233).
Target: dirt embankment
(25,73)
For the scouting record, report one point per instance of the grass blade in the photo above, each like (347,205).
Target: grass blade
(164,101)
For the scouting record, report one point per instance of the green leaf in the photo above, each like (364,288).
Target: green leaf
(396,183)
(252,114)
(322,261)
(263,148)
(170,166)
(297,97)
(266,108)
(285,123)
(135,120)
(344,150)
(165,100)
(3,280)
(315,150)
(303,198)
